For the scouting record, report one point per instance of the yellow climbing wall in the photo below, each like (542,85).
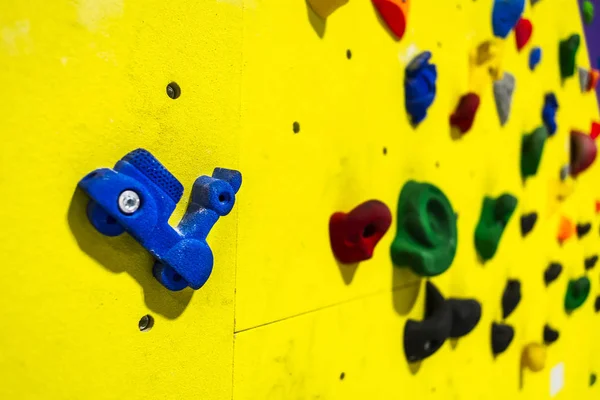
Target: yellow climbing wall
(279,318)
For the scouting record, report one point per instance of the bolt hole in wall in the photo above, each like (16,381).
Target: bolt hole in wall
(296,127)
(173,90)
(146,323)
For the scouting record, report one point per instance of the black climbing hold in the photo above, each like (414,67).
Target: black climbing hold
(597,304)
(511,297)
(592,379)
(550,335)
(423,338)
(465,316)
(527,223)
(590,262)
(502,335)
(552,272)
(583,229)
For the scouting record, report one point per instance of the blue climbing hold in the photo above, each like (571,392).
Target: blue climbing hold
(505,15)
(419,86)
(549,113)
(535,56)
(139,195)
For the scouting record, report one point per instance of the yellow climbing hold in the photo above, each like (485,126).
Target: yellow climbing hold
(534,357)
(324,8)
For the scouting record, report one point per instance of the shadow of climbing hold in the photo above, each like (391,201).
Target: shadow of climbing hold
(535,56)
(583,152)
(495,214)
(590,262)
(324,8)
(523,31)
(549,113)
(566,229)
(502,336)
(423,338)
(550,335)
(577,292)
(583,229)
(567,52)
(466,314)
(465,112)
(552,272)
(427,235)
(587,9)
(597,304)
(527,223)
(394,13)
(353,236)
(139,195)
(534,357)
(419,86)
(503,93)
(532,147)
(505,15)
(511,297)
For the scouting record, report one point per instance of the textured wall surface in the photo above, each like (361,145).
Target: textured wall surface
(279,318)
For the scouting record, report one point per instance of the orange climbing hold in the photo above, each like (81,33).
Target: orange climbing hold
(523,31)
(324,8)
(593,77)
(597,206)
(394,13)
(566,229)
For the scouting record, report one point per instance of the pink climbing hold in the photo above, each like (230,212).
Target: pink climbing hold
(523,31)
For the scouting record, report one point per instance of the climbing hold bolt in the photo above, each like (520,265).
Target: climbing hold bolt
(427,235)
(532,146)
(549,113)
(465,112)
(583,229)
(550,335)
(527,223)
(394,13)
(567,51)
(552,272)
(353,236)
(419,86)
(583,152)
(590,262)
(588,12)
(534,357)
(502,336)
(511,297)
(577,292)
(503,93)
(324,8)
(523,30)
(535,56)
(495,214)
(505,15)
(423,338)
(139,195)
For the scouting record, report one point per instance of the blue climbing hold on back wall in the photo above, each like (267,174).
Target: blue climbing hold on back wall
(549,113)
(419,86)
(505,15)
(535,56)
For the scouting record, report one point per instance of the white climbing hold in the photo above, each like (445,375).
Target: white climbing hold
(503,92)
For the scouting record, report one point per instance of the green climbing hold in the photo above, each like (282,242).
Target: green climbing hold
(495,214)
(577,291)
(427,234)
(588,12)
(567,50)
(592,379)
(532,147)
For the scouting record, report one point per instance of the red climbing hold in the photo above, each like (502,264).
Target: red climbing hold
(523,31)
(595,130)
(465,112)
(593,77)
(354,235)
(583,152)
(394,13)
